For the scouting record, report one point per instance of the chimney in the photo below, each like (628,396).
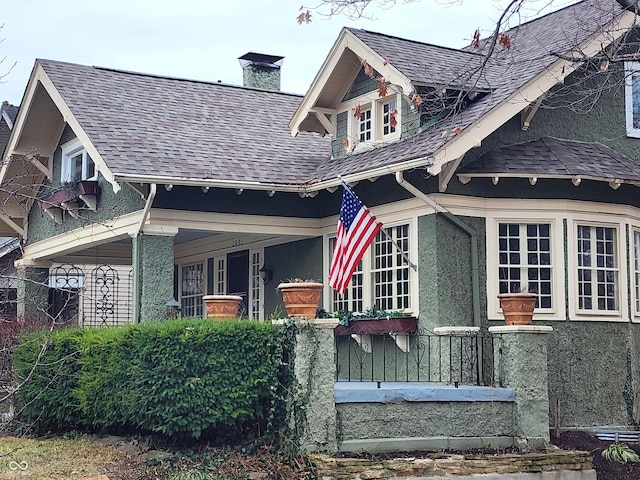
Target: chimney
(261,71)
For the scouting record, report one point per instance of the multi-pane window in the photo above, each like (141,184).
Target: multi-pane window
(388,117)
(76,164)
(382,279)
(598,274)
(632,98)
(390,270)
(254,280)
(192,289)
(352,299)
(220,276)
(524,260)
(364,125)
(636,268)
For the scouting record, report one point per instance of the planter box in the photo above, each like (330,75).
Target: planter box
(84,189)
(378,327)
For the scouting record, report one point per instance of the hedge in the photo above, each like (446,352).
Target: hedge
(178,378)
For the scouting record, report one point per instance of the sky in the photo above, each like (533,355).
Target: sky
(202,39)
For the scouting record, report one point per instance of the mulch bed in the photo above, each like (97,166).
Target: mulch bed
(605,469)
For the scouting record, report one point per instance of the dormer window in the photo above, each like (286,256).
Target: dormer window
(372,120)
(365,125)
(632,98)
(76,163)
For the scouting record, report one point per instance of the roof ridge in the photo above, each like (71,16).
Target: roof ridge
(395,37)
(168,77)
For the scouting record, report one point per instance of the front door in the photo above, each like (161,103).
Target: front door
(238,278)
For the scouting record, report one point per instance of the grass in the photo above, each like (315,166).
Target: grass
(58,458)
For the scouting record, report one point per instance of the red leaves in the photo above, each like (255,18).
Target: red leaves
(368,69)
(370,72)
(475,42)
(393,120)
(417,99)
(504,40)
(304,17)
(357,111)
(457,131)
(345,143)
(382,89)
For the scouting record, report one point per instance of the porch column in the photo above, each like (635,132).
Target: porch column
(32,292)
(521,363)
(152,276)
(315,423)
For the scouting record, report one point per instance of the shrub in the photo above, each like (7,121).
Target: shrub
(621,453)
(177,378)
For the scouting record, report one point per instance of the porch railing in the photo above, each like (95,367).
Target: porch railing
(421,357)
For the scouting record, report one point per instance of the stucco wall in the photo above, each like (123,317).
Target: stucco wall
(110,205)
(444,256)
(425,419)
(301,259)
(593,373)
(155,276)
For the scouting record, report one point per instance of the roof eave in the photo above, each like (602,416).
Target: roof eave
(346,40)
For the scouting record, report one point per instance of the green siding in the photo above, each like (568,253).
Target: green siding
(110,204)
(301,259)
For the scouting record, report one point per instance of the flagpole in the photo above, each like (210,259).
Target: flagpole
(397,245)
(386,234)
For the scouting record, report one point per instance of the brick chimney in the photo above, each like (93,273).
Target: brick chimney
(261,71)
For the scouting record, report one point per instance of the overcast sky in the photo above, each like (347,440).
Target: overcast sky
(202,39)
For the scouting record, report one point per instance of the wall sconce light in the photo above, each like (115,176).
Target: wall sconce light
(266,274)
(173,308)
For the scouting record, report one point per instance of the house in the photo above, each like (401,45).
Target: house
(488,172)
(8,115)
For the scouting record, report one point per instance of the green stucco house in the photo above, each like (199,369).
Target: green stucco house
(494,167)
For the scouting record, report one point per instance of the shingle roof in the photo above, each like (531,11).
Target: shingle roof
(533,49)
(158,126)
(10,110)
(423,63)
(554,158)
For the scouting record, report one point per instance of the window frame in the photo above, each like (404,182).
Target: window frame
(558,310)
(371,102)
(365,268)
(631,70)
(67,172)
(634,271)
(622,266)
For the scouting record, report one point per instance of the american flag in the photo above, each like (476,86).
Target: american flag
(357,228)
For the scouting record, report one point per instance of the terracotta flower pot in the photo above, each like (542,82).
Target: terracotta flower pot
(301,299)
(517,308)
(222,306)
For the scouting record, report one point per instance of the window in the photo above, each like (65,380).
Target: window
(389,113)
(372,120)
(636,269)
(192,283)
(597,261)
(382,279)
(364,126)
(632,98)
(525,250)
(76,163)
(524,260)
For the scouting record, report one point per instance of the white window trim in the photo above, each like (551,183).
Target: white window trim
(374,102)
(69,150)
(221,255)
(635,317)
(558,311)
(621,315)
(388,221)
(631,69)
